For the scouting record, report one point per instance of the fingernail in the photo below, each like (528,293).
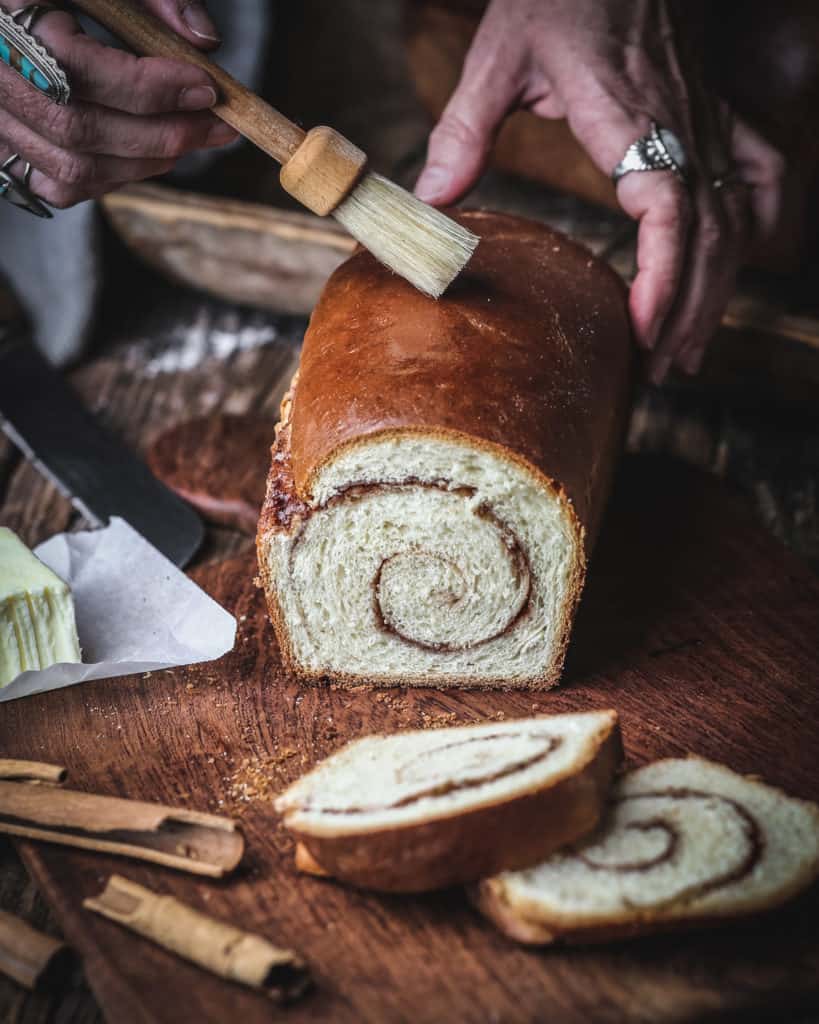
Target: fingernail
(432,184)
(198,97)
(198,21)
(220,134)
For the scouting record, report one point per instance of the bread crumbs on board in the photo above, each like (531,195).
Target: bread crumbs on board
(257,779)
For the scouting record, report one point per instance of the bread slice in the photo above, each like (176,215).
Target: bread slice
(684,840)
(422,810)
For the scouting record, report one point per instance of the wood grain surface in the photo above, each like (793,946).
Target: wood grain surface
(696,626)
(162,355)
(219,464)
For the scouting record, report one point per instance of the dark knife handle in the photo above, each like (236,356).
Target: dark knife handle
(103,478)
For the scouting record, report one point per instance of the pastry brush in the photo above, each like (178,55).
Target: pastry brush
(320,168)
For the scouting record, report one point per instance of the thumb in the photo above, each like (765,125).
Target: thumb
(189,19)
(459,144)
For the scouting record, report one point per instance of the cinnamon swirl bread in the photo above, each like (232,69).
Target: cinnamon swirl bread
(440,468)
(683,840)
(422,810)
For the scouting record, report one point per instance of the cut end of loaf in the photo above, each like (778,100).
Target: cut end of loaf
(418,242)
(425,560)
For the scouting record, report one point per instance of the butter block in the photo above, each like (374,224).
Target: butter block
(37,624)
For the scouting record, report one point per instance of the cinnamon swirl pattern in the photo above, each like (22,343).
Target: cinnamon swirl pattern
(426,559)
(421,774)
(682,839)
(419,810)
(428,774)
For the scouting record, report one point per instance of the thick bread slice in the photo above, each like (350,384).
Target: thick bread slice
(423,810)
(684,840)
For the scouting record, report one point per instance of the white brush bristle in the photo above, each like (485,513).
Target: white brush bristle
(417,241)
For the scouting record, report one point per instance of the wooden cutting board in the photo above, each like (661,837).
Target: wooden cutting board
(701,630)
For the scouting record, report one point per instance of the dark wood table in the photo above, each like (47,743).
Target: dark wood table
(162,355)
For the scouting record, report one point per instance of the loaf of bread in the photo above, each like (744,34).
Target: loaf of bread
(684,841)
(440,467)
(422,810)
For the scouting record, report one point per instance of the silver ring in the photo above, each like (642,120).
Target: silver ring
(659,150)
(17,191)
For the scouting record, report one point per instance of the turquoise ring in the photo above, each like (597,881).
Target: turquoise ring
(29,58)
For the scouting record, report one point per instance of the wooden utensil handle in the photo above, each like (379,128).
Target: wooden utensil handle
(240,108)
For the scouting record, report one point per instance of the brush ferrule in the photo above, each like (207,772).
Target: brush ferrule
(323,171)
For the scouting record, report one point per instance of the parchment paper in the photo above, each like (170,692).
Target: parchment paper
(136,612)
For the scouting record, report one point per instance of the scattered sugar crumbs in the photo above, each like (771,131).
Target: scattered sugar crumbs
(391,701)
(257,779)
(438,720)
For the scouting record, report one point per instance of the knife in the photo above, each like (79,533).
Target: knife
(45,419)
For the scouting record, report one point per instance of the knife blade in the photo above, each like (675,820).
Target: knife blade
(42,416)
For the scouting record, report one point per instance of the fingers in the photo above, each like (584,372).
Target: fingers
(712,262)
(88,128)
(689,245)
(490,85)
(189,18)
(657,200)
(762,168)
(660,204)
(104,174)
(66,177)
(113,78)
(748,209)
(85,128)
(108,176)
(129,118)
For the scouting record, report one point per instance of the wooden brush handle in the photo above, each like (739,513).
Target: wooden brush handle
(240,108)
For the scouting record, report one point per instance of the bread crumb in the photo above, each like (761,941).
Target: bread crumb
(438,721)
(257,779)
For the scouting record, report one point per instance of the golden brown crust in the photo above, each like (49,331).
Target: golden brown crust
(305,862)
(508,835)
(488,897)
(528,355)
(530,350)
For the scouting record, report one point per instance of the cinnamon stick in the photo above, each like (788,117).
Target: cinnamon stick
(26,954)
(221,948)
(14,770)
(204,844)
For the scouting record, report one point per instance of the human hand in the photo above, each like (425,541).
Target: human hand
(610,67)
(128,118)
